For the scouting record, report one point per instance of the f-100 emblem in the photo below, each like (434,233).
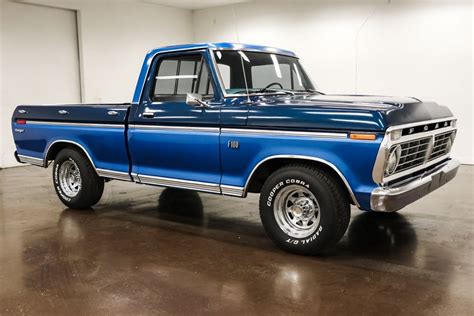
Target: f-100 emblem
(233,144)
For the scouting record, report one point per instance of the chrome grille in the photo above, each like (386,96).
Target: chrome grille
(409,149)
(413,153)
(442,145)
(416,152)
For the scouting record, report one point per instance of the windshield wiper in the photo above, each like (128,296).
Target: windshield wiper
(313,91)
(253,91)
(277,90)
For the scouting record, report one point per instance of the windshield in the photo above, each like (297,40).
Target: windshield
(264,73)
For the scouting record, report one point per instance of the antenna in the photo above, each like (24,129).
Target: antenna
(245,76)
(235,25)
(242,55)
(357,44)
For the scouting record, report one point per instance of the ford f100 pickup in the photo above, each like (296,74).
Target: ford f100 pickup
(234,119)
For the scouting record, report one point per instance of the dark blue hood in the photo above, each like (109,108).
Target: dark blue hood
(341,112)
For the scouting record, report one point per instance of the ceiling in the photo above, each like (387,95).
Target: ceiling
(204,4)
(196,4)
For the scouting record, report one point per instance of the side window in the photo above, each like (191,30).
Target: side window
(205,84)
(164,80)
(225,73)
(178,75)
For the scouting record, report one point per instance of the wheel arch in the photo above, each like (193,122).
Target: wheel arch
(56,146)
(270,164)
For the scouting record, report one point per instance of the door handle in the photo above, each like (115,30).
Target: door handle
(112,113)
(63,112)
(148,114)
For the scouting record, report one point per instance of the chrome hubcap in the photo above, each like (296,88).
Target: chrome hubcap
(69,178)
(296,211)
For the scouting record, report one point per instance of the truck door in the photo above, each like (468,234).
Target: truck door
(173,143)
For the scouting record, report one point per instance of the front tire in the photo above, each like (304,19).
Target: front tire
(76,183)
(303,209)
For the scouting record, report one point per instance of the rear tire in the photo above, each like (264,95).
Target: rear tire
(76,183)
(303,209)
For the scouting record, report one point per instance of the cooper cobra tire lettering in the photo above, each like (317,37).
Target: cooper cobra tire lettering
(281,184)
(330,196)
(307,240)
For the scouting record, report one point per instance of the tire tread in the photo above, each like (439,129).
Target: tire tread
(92,185)
(339,198)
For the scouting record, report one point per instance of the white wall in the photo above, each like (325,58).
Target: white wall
(409,47)
(114,37)
(2,128)
(416,48)
(35,66)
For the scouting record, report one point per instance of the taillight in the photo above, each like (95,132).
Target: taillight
(21,121)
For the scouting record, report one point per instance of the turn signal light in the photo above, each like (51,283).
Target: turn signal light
(362,136)
(21,121)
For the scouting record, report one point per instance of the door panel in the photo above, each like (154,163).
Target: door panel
(173,143)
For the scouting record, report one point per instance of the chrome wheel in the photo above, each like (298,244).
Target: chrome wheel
(296,211)
(69,178)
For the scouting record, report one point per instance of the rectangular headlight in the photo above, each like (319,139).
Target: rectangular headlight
(394,135)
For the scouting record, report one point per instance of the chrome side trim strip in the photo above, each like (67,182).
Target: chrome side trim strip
(111,174)
(181,184)
(346,183)
(232,190)
(177,128)
(31,160)
(245,131)
(52,123)
(241,131)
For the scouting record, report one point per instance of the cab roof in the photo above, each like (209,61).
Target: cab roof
(223,45)
(217,46)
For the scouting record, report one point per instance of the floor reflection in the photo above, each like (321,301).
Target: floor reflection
(184,205)
(143,250)
(178,246)
(382,234)
(368,234)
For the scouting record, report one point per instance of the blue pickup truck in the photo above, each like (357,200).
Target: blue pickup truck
(232,119)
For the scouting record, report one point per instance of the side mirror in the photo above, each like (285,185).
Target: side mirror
(195,99)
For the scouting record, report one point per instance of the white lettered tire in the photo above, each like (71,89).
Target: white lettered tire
(76,183)
(303,209)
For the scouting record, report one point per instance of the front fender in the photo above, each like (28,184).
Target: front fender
(353,160)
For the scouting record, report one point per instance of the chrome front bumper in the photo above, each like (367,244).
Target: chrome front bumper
(393,198)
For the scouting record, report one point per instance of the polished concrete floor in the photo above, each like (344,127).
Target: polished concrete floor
(145,250)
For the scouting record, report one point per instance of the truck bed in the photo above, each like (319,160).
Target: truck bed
(83,113)
(100,129)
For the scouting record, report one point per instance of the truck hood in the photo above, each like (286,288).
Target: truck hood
(342,112)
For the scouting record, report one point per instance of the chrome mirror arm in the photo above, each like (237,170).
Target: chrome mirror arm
(195,99)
